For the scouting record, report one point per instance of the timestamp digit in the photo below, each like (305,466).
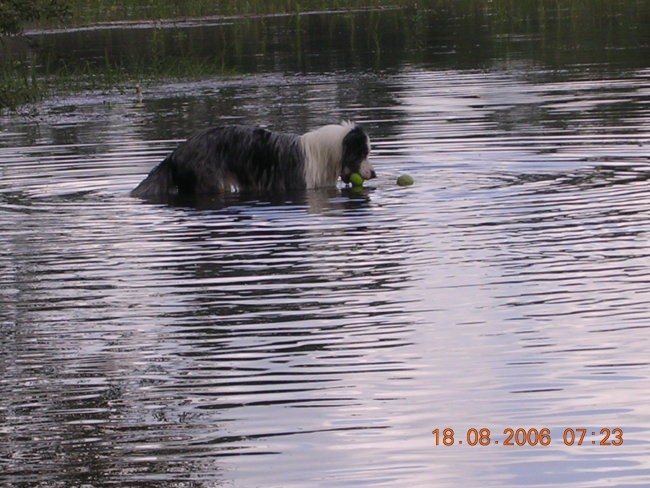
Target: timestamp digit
(509,433)
(484,437)
(545,436)
(532,437)
(448,437)
(520,440)
(472,436)
(606,433)
(569,437)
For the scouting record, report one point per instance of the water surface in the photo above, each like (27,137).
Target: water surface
(317,338)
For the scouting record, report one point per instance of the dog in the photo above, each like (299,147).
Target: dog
(245,158)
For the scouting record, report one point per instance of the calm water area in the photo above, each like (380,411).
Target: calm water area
(318,339)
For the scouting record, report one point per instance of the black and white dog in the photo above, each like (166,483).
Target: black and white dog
(243,158)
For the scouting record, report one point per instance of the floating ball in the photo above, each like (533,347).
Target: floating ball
(405,180)
(356,179)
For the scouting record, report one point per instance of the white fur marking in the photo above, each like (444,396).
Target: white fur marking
(323,154)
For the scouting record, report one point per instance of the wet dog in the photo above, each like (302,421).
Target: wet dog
(243,158)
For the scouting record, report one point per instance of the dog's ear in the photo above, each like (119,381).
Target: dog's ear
(355,146)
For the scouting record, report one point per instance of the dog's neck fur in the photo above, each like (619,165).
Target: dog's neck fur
(324,153)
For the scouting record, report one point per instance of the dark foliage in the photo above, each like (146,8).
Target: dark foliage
(15,13)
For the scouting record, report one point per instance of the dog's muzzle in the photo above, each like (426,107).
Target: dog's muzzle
(366,171)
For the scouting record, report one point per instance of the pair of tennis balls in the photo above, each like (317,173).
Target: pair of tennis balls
(357,180)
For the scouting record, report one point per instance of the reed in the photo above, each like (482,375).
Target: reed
(19,84)
(566,26)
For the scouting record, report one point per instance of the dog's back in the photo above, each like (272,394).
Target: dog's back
(223,159)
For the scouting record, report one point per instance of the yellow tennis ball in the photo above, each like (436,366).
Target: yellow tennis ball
(356,179)
(405,180)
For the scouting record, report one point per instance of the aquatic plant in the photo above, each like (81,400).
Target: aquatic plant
(30,71)
(19,84)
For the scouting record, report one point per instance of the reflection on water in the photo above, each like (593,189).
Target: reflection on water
(329,333)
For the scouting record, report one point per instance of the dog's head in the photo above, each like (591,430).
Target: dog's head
(356,147)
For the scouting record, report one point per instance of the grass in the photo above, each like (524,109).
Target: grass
(26,75)
(19,84)
(22,81)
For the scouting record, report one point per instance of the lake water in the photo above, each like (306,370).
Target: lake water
(320,339)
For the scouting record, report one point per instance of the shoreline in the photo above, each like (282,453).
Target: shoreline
(192,21)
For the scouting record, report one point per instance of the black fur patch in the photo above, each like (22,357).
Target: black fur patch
(355,149)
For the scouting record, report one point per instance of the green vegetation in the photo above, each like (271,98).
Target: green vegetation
(40,65)
(27,76)
(18,84)
(15,13)
(25,79)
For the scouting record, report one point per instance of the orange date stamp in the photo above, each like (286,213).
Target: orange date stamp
(521,436)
